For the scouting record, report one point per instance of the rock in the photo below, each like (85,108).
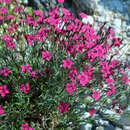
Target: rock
(126,17)
(102,18)
(110,112)
(117,128)
(86,6)
(88,20)
(110,127)
(99,128)
(124,25)
(117,22)
(126,128)
(103,122)
(86,126)
(128,34)
(85,115)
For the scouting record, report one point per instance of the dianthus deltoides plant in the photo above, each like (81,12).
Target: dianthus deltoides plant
(50,65)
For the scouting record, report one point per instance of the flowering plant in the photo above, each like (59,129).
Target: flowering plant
(50,65)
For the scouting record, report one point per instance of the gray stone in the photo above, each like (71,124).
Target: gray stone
(128,34)
(85,115)
(99,128)
(117,22)
(117,128)
(86,6)
(126,127)
(110,127)
(86,126)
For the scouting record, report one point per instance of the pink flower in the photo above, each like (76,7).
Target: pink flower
(70,88)
(92,111)
(66,11)
(25,126)
(3,10)
(46,55)
(5,1)
(73,73)
(25,87)
(83,78)
(119,109)
(33,74)
(67,63)
(5,71)
(25,68)
(1,110)
(1,18)
(113,89)
(116,41)
(95,94)
(105,68)
(63,107)
(109,93)
(125,79)
(9,17)
(4,36)
(114,63)
(110,81)
(28,68)
(38,12)
(4,90)
(18,9)
(8,41)
(83,15)
(30,38)
(60,1)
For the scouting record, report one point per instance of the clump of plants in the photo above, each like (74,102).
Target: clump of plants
(50,65)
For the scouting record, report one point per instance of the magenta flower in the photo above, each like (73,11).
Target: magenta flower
(25,68)
(110,81)
(125,79)
(105,68)
(25,126)
(119,109)
(5,71)
(73,73)
(30,38)
(1,110)
(18,9)
(83,15)
(70,88)
(66,11)
(83,78)
(3,10)
(63,107)
(67,63)
(116,41)
(25,87)
(33,74)
(92,111)
(96,94)
(4,90)
(109,93)
(9,17)
(5,1)
(60,1)
(46,55)
(8,41)
(1,18)
(38,12)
